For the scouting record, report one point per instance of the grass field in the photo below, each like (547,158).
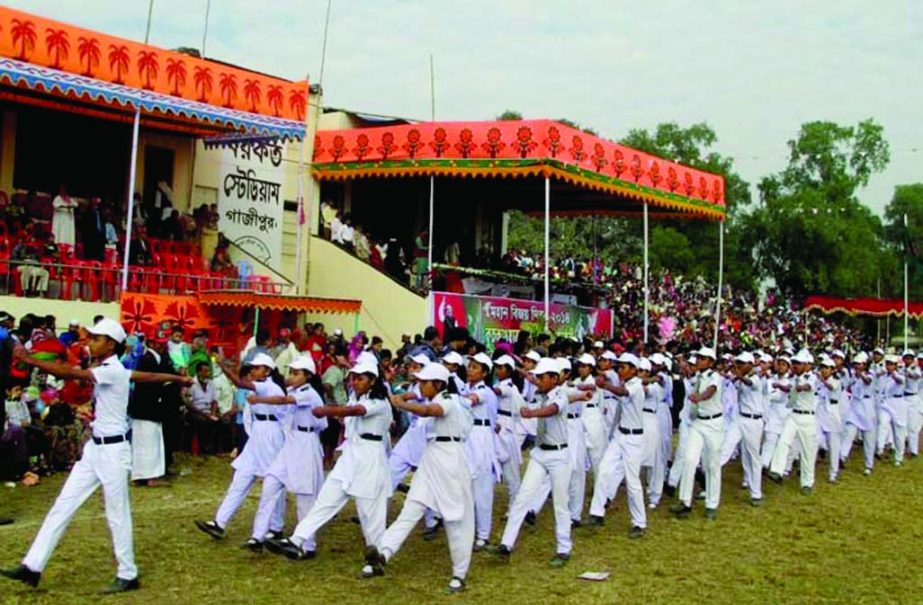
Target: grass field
(857,542)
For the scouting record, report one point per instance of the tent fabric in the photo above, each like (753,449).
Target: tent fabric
(55,82)
(517,148)
(876,307)
(279,302)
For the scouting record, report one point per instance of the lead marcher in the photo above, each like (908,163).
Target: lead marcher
(442,482)
(106,457)
(800,424)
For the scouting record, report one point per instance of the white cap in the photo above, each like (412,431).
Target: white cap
(610,356)
(706,352)
(366,357)
(262,359)
(420,359)
(861,357)
(563,364)
(365,368)
(630,359)
(598,344)
(745,357)
(546,366)
(644,364)
(433,371)
(338,332)
(803,356)
(839,353)
(74,322)
(892,359)
(533,356)
(303,362)
(453,358)
(878,350)
(920,355)
(505,360)
(765,358)
(484,360)
(908,353)
(587,360)
(658,359)
(828,362)
(785,358)
(108,327)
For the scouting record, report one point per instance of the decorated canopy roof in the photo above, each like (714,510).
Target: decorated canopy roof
(42,58)
(516,149)
(278,302)
(876,307)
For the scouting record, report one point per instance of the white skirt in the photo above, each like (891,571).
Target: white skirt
(147,455)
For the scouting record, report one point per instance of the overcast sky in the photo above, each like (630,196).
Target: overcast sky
(755,71)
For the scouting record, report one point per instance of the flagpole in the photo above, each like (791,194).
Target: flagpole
(432,179)
(906,295)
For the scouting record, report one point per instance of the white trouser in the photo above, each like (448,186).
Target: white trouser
(868,444)
(732,437)
(914,425)
(804,427)
(482,486)
(460,535)
(241,483)
(679,456)
(622,461)
(372,513)
(594,424)
(893,417)
(705,439)
(769,448)
(273,492)
(650,457)
(751,434)
(665,419)
(833,441)
(511,479)
(106,465)
(542,464)
(33,276)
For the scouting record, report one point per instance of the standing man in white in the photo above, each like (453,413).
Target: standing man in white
(828,415)
(801,423)
(892,415)
(914,403)
(751,411)
(860,417)
(106,458)
(706,434)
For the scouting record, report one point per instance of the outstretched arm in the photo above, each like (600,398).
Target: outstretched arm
(542,412)
(235,378)
(55,368)
(420,409)
(338,411)
(275,400)
(138,376)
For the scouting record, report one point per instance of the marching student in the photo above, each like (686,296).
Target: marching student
(779,387)
(606,367)
(828,415)
(299,466)
(442,481)
(509,403)
(106,458)
(892,415)
(751,412)
(623,457)
(549,458)
(594,421)
(479,447)
(800,424)
(689,373)
(706,434)
(661,366)
(263,445)
(652,450)
(860,418)
(360,473)
(913,372)
(405,455)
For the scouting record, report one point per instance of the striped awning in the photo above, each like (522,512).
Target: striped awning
(278,302)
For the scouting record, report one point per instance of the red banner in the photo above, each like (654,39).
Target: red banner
(862,306)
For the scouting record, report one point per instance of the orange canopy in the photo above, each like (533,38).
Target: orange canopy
(278,302)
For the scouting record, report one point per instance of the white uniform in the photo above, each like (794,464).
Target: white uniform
(776,413)
(299,466)
(106,461)
(830,423)
(594,424)
(406,455)
(665,417)
(549,457)
(732,433)
(265,442)
(914,408)
(685,421)
(622,460)
(706,434)
(508,443)
(361,473)
(860,419)
(800,424)
(482,456)
(442,483)
(893,414)
(653,445)
(751,413)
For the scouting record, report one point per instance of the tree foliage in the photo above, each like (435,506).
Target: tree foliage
(509,115)
(907,200)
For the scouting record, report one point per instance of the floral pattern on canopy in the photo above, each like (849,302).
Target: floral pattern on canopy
(876,307)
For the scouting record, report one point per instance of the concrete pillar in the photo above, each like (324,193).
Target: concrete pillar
(7,150)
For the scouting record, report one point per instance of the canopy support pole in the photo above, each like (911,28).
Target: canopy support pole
(256,321)
(720,281)
(432,179)
(547,251)
(647,291)
(906,297)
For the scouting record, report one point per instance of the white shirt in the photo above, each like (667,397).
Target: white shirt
(713,405)
(110,395)
(202,397)
(632,406)
(803,400)
(552,430)
(750,397)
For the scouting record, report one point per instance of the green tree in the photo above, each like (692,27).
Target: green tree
(509,115)
(810,232)
(907,200)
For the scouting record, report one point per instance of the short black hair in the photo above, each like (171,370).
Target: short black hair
(377,340)
(430,333)
(200,365)
(177,329)
(97,319)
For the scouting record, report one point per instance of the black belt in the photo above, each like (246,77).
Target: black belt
(625,431)
(445,438)
(110,440)
(481,422)
(866,396)
(650,411)
(909,394)
(897,396)
(573,416)
(553,448)
(804,412)
(751,416)
(264,417)
(712,417)
(305,429)
(505,413)
(833,402)
(370,437)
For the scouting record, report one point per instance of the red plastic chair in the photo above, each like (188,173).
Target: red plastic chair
(91,273)
(69,274)
(5,255)
(109,278)
(110,256)
(169,269)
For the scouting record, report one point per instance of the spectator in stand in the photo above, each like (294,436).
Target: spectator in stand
(202,408)
(62,221)
(93,231)
(172,227)
(27,255)
(336,229)
(221,262)
(394,265)
(420,260)
(361,244)
(198,351)
(212,217)
(72,335)
(327,214)
(431,343)
(178,351)
(347,232)
(14,213)
(285,351)
(316,341)
(139,249)
(112,236)
(50,250)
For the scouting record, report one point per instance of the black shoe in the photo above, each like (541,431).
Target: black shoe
(711,514)
(430,533)
(559,560)
(530,518)
(120,585)
(500,550)
(8,521)
(211,528)
(253,545)
(273,535)
(681,510)
(23,574)
(575,523)
(403,488)
(669,490)
(288,549)
(636,532)
(756,502)
(595,521)
(456,584)
(374,563)
(775,477)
